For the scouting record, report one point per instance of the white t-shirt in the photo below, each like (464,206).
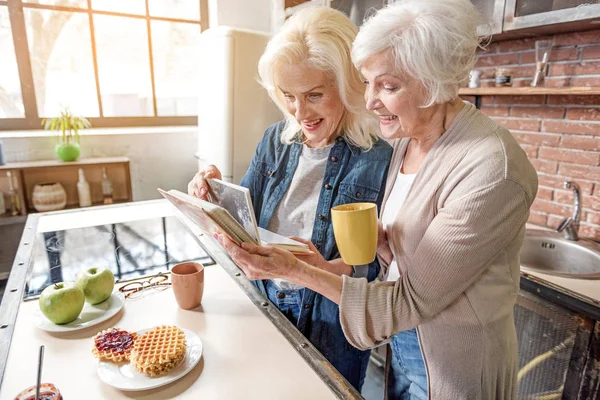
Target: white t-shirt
(295,214)
(393,205)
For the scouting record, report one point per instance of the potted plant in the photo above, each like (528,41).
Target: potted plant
(68,126)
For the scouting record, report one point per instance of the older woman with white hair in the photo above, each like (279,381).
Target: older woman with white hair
(325,153)
(453,219)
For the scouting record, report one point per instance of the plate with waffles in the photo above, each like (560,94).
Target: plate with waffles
(145,359)
(90,315)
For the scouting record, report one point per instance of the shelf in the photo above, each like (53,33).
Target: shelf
(529,91)
(59,163)
(31,173)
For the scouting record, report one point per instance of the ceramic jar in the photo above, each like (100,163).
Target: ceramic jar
(49,197)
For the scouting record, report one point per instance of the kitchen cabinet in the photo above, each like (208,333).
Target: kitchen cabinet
(558,336)
(356,10)
(283,9)
(508,19)
(493,11)
(27,174)
(552,16)
(559,341)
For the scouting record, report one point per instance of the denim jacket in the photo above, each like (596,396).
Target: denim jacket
(351,175)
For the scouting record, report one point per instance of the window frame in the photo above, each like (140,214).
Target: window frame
(32,119)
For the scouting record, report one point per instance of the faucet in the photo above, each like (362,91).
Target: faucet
(570,225)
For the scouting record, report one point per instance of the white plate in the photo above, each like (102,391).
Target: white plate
(89,316)
(124,377)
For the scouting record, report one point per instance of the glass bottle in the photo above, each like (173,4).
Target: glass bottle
(13,196)
(2,208)
(107,190)
(83,190)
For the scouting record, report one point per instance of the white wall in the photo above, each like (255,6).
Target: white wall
(246,14)
(163,157)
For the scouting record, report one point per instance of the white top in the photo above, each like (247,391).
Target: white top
(295,214)
(397,196)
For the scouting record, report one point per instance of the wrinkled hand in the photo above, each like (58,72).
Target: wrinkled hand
(259,262)
(383,247)
(198,186)
(315,259)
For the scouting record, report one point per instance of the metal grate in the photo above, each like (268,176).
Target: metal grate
(546,335)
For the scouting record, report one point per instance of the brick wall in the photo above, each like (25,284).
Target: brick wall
(561,134)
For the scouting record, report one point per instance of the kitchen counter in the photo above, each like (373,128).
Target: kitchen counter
(250,349)
(587,289)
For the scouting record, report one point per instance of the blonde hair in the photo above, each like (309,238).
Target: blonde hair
(323,38)
(433,41)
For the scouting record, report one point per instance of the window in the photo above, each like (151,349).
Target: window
(11,101)
(118,63)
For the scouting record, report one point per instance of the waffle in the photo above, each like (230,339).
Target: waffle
(113,345)
(159,350)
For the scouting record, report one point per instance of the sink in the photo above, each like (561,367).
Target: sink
(550,253)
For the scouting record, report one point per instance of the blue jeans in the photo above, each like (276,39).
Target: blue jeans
(407,378)
(288,301)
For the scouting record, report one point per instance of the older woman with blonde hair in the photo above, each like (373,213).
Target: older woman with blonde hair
(325,153)
(453,218)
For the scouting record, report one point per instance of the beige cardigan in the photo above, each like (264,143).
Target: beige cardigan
(456,240)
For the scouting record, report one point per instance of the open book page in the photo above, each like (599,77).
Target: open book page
(237,200)
(283,242)
(210,218)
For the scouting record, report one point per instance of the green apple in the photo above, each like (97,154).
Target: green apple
(97,284)
(62,302)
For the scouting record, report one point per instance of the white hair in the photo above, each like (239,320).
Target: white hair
(322,37)
(432,41)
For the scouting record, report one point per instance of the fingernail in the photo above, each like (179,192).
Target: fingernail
(216,236)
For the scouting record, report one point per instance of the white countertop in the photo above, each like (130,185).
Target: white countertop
(589,288)
(245,356)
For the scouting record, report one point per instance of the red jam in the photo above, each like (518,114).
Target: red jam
(116,341)
(45,396)
(47,392)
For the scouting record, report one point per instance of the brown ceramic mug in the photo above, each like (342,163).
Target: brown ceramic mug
(188,284)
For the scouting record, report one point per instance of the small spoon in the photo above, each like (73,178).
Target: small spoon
(39,373)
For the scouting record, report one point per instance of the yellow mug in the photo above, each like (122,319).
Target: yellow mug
(355,231)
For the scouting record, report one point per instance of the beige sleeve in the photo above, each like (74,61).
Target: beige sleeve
(461,241)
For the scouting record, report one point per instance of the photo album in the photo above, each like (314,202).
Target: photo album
(229,212)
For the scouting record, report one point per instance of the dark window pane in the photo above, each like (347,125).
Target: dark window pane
(121,6)
(176,54)
(11,101)
(530,7)
(182,9)
(63,3)
(61,61)
(123,66)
